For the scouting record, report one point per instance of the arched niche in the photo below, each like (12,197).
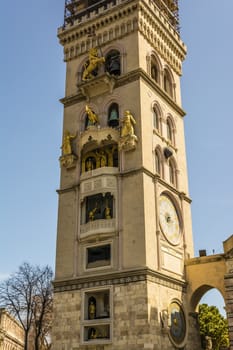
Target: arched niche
(113,115)
(113,62)
(99,157)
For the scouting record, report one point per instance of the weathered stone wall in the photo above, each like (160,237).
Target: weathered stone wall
(66,323)
(135,321)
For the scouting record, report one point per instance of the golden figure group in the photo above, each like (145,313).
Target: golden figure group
(107,213)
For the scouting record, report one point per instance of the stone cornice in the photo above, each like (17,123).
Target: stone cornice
(79,30)
(126,79)
(148,19)
(136,171)
(116,278)
(162,36)
(205,259)
(67,189)
(157,178)
(173,189)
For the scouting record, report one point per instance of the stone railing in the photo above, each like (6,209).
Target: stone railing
(98,226)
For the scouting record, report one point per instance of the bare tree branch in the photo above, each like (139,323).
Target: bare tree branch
(27,295)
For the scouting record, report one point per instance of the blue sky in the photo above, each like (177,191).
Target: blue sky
(32,81)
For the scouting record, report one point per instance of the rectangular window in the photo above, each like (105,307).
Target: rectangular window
(98,256)
(96,332)
(97,305)
(96,325)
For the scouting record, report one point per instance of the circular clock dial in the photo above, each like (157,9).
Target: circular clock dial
(169,220)
(178,323)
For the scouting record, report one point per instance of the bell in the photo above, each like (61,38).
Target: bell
(114,66)
(113,120)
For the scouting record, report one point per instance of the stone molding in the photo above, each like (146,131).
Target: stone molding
(98,135)
(205,260)
(117,278)
(161,37)
(149,20)
(125,79)
(107,22)
(131,172)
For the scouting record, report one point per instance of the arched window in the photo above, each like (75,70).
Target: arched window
(158,162)
(156,119)
(170,134)
(91,308)
(172,173)
(100,158)
(167,83)
(113,62)
(154,72)
(113,115)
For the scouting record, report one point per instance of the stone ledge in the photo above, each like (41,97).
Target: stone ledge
(117,278)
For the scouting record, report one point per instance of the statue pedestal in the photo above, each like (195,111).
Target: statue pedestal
(128,143)
(68,161)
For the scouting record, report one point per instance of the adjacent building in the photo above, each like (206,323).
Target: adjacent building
(11,332)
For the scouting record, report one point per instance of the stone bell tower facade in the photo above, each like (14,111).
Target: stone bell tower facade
(124,221)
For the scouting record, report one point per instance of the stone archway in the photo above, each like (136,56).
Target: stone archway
(213,271)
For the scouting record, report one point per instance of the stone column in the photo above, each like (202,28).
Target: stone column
(228,281)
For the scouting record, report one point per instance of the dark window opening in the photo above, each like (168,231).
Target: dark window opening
(113,62)
(99,207)
(113,115)
(99,256)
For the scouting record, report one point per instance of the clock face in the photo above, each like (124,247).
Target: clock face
(169,221)
(178,323)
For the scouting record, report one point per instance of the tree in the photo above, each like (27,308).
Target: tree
(27,295)
(213,325)
(42,308)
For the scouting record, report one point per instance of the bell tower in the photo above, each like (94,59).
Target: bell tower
(124,221)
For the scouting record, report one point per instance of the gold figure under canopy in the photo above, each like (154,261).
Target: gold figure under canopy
(102,158)
(91,310)
(89,164)
(94,61)
(107,213)
(66,145)
(93,334)
(92,117)
(128,123)
(91,214)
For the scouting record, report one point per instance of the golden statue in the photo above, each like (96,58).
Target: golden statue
(91,311)
(107,213)
(66,145)
(102,158)
(89,165)
(91,214)
(128,123)
(92,117)
(94,61)
(93,334)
